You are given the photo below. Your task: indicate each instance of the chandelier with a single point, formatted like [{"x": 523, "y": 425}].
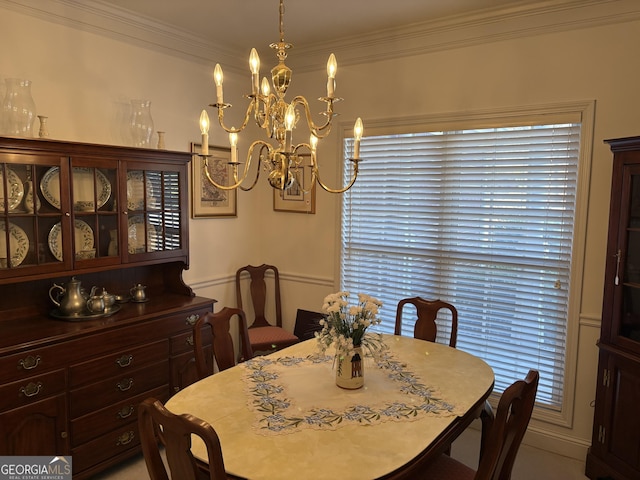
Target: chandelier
[{"x": 284, "y": 160}]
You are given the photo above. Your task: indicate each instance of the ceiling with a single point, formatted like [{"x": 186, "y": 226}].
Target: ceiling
[{"x": 242, "y": 24}]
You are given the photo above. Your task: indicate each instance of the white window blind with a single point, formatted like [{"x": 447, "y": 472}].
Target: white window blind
[{"x": 481, "y": 218}]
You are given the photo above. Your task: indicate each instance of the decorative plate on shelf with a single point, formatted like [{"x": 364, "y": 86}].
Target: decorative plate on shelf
[
  {"x": 83, "y": 238},
  {"x": 18, "y": 244},
  {"x": 137, "y": 187},
  {"x": 15, "y": 188},
  {"x": 82, "y": 186},
  {"x": 137, "y": 241}
]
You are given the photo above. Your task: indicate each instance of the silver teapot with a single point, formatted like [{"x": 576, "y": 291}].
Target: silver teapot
[
  {"x": 109, "y": 300},
  {"x": 137, "y": 293},
  {"x": 68, "y": 298}
]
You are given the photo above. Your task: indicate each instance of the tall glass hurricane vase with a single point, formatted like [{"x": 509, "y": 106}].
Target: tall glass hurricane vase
[
  {"x": 141, "y": 123},
  {"x": 18, "y": 108}
]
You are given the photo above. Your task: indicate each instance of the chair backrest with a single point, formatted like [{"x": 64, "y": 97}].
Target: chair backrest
[
  {"x": 307, "y": 323},
  {"x": 157, "y": 424},
  {"x": 505, "y": 432},
  {"x": 425, "y": 327},
  {"x": 258, "y": 290},
  {"x": 222, "y": 343}
]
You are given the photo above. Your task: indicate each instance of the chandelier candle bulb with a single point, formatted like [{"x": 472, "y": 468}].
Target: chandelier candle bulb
[
  {"x": 233, "y": 140},
  {"x": 289, "y": 121},
  {"x": 204, "y": 129},
  {"x": 332, "y": 67},
  {"x": 217, "y": 78},
  {"x": 266, "y": 89},
  {"x": 357, "y": 134},
  {"x": 254, "y": 65}
]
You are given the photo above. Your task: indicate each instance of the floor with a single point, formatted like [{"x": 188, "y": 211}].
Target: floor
[{"x": 531, "y": 464}]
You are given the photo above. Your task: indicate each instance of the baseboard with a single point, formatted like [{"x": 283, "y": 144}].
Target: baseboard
[
  {"x": 555, "y": 443},
  {"x": 563, "y": 445}
]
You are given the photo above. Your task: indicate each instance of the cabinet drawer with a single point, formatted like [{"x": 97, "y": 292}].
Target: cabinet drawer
[
  {"x": 105, "y": 447},
  {"x": 31, "y": 362},
  {"x": 184, "y": 342},
  {"x": 114, "y": 416},
  {"x": 184, "y": 321},
  {"x": 118, "y": 363},
  {"x": 32, "y": 389},
  {"x": 116, "y": 389}
]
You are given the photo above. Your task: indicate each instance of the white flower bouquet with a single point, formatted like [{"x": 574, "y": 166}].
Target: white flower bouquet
[{"x": 345, "y": 326}]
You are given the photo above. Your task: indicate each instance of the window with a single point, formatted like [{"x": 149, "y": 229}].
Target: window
[{"x": 483, "y": 218}]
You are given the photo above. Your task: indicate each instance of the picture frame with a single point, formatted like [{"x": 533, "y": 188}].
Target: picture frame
[
  {"x": 207, "y": 201},
  {"x": 295, "y": 200}
]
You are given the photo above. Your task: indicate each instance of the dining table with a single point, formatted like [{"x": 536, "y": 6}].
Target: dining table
[{"x": 282, "y": 417}]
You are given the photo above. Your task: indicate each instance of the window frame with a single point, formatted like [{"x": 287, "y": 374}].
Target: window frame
[{"x": 579, "y": 111}]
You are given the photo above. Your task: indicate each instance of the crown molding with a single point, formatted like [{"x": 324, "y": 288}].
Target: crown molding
[
  {"x": 464, "y": 31},
  {"x": 546, "y": 16},
  {"x": 101, "y": 18}
]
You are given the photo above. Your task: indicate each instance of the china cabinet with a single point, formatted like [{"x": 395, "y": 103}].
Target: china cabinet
[
  {"x": 616, "y": 430},
  {"x": 86, "y": 216}
]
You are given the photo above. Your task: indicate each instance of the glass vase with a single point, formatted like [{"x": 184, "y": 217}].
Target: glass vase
[
  {"x": 350, "y": 369},
  {"x": 141, "y": 123},
  {"x": 18, "y": 108}
]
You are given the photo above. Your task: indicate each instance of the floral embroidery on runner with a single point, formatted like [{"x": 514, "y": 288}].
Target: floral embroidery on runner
[{"x": 277, "y": 412}]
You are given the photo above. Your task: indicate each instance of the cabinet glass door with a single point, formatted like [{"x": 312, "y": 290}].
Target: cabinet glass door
[
  {"x": 30, "y": 213},
  {"x": 628, "y": 258},
  {"x": 95, "y": 214},
  {"x": 154, "y": 211}
]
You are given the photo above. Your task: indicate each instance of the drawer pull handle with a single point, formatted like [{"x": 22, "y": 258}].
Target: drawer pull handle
[
  {"x": 31, "y": 390},
  {"x": 125, "y": 360},
  {"x": 29, "y": 363},
  {"x": 125, "y": 438},
  {"x": 125, "y": 384},
  {"x": 192, "y": 319},
  {"x": 126, "y": 412},
  {"x": 189, "y": 340}
]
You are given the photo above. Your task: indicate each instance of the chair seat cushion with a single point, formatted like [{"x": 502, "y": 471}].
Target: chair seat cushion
[
  {"x": 271, "y": 336},
  {"x": 446, "y": 468}
]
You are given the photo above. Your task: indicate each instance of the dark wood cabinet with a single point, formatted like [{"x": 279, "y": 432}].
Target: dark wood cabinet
[
  {"x": 112, "y": 217},
  {"x": 615, "y": 447}
]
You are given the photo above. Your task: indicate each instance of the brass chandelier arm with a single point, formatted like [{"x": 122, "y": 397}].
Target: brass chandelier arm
[
  {"x": 303, "y": 166},
  {"x": 252, "y": 104},
  {"x": 247, "y": 165},
  {"x": 319, "y": 131},
  {"x": 355, "y": 161},
  {"x": 263, "y": 145}
]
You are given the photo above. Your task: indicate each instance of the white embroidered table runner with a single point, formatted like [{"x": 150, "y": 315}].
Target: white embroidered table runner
[{"x": 292, "y": 393}]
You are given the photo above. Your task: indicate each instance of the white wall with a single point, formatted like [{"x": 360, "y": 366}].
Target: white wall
[{"x": 83, "y": 82}]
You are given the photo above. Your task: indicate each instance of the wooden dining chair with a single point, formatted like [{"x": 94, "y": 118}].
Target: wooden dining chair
[
  {"x": 158, "y": 426},
  {"x": 307, "y": 323},
  {"x": 501, "y": 437},
  {"x": 263, "y": 335},
  {"x": 425, "y": 326},
  {"x": 222, "y": 342}
]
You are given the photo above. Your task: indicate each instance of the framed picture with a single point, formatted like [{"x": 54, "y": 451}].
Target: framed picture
[
  {"x": 207, "y": 200},
  {"x": 294, "y": 199}
]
